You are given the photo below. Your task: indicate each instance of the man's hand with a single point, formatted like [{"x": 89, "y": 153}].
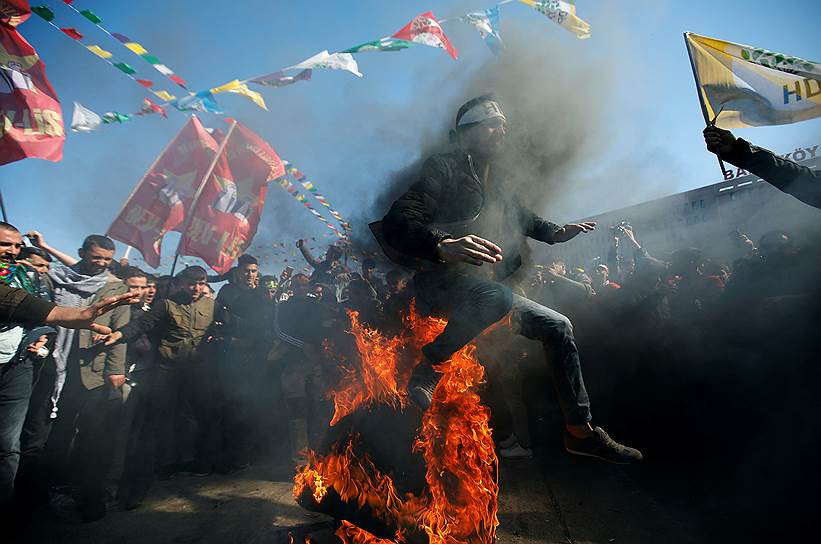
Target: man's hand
[
  {"x": 37, "y": 344},
  {"x": 37, "y": 239},
  {"x": 83, "y": 318},
  {"x": 116, "y": 380},
  {"x": 108, "y": 339},
  {"x": 300, "y": 243},
  {"x": 718, "y": 140},
  {"x": 469, "y": 249},
  {"x": 570, "y": 230},
  {"x": 627, "y": 232}
]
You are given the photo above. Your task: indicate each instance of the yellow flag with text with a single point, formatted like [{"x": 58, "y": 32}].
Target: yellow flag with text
[{"x": 751, "y": 86}]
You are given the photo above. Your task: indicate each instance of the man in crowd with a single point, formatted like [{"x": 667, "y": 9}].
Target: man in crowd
[
  {"x": 20, "y": 349},
  {"x": 325, "y": 270},
  {"x": 788, "y": 176},
  {"x": 468, "y": 262},
  {"x": 89, "y": 377},
  {"x": 240, "y": 310},
  {"x": 183, "y": 384}
]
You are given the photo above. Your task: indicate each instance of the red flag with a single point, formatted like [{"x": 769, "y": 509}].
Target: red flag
[
  {"x": 72, "y": 33},
  {"x": 425, "y": 29},
  {"x": 163, "y": 197},
  {"x": 31, "y": 121},
  {"x": 226, "y": 216}
]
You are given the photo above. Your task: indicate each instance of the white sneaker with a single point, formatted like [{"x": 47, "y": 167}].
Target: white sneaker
[
  {"x": 508, "y": 442},
  {"x": 516, "y": 452}
]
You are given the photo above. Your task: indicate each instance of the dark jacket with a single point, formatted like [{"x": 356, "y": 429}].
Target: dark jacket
[
  {"x": 180, "y": 324},
  {"x": 788, "y": 176},
  {"x": 443, "y": 203}
]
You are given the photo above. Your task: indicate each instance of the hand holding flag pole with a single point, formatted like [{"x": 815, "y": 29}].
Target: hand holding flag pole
[{"x": 701, "y": 102}]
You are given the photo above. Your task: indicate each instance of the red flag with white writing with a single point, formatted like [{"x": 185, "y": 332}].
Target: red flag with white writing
[
  {"x": 31, "y": 120},
  {"x": 425, "y": 29},
  {"x": 162, "y": 198},
  {"x": 226, "y": 216}
]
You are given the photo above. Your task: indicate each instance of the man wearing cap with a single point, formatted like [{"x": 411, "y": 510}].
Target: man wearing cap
[{"x": 462, "y": 222}]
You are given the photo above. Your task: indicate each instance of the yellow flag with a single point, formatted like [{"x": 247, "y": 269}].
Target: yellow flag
[
  {"x": 239, "y": 87},
  {"x": 136, "y": 48},
  {"x": 165, "y": 95},
  {"x": 751, "y": 86},
  {"x": 563, "y": 13},
  {"x": 99, "y": 51}
]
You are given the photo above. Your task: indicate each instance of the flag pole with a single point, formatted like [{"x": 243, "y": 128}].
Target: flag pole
[
  {"x": 3, "y": 207},
  {"x": 190, "y": 216},
  {"x": 706, "y": 115}
]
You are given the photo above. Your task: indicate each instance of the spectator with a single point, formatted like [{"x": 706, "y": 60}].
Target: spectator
[{"x": 325, "y": 270}]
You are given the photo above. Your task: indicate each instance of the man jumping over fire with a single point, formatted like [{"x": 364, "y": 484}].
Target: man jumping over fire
[{"x": 465, "y": 234}]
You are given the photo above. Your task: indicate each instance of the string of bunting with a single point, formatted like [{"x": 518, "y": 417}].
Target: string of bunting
[
  {"x": 302, "y": 179},
  {"x": 46, "y": 13},
  {"x": 85, "y": 120},
  {"x": 288, "y": 186},
  {"x": 132, "y": 46},
  {"x": 424, "y": 29}
]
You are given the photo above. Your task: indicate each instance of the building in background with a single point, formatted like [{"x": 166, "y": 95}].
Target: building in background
[{"x": 701, "y": 218}]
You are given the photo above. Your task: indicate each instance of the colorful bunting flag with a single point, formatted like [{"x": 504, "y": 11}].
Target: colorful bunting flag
[
  {"x": 72, "y": 33},
  {"x": 44, "y": 12},
  {"x": 164, "y": 95},
  {"x": 150, "y": 107},
  {"x": 145, "y": 83},
  {"x": 384, "y": 44},
  {"x": 136, "y": 48},
  {"x": 241, "y": 88},
  {"x": 84, "y": 120},
  {"x": 426, "y": 30},
  {"x": 99, "y": 51},
  {"x": 115, "y": 117},
  {"x": 327, "y": 61},
  {"x": 88, "y": 14},
  {"x": 125, "y": 68},
  {"x": 202, "y": 101},
  {"x": 563, "y": 13},
  {"x": 487, "y": 23},
  {"x": 280, "y": 79}
]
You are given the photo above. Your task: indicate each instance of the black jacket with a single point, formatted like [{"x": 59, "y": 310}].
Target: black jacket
[
  {"x": 443, "y": 203},
  {"x": 788, "y": 176}
]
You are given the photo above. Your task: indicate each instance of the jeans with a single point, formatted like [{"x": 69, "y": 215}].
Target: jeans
[
  {"x": 15, "y": 391},
  {"x": 472, "y": 304}
]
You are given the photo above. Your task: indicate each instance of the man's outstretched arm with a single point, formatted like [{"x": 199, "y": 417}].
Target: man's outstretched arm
[
  {"x": 38, "y": 241},
  {"x": 786, "y": 175}
]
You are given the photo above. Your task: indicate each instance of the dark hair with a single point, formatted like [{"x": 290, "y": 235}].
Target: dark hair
[
  {"x": 334, "y": 252},
  {"x": 28, "y": 251},
  {"x": 132, "y": 272},
  {"x": 192, "y": 273},
  {"x": 98, "y": 240},
  {"x": 247, "y": 259},
  {"x": 8, "y": 226},
  {"x": 151, "y": 278},
  {"x": 368, "y": 263}
]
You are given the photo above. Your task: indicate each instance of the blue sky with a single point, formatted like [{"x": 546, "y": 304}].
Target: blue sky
[{"x": 349, "y": 135}]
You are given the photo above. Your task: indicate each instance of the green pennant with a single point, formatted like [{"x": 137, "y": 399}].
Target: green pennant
[
  {"x": 88, "y": 14},
  {"x": 151, "y": 59},
  {"x": 114, "y": 117},
  {"x": 44, "y": 12},
  {"x": 123, "y": 67}
]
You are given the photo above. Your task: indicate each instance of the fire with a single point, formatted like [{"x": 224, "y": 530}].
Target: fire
[{"x": 461, "y": 502}]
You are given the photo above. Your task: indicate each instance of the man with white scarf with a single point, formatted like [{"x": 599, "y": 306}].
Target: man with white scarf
[{"x": 89, "y": 376}]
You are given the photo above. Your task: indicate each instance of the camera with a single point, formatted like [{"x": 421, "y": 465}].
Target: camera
[{"x": 619, "y": 228}]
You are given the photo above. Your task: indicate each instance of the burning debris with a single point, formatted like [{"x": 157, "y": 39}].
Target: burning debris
[{"x": 457, "y": 500}]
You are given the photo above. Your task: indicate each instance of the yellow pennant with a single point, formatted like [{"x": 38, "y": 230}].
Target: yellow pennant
[
  {"x": 136, "y": 48},
  {"x": 99, "y": 51}
]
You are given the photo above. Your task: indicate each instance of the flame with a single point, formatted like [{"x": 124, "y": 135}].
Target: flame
[
  {"x": 382, "y": 377},
  {"x": 455, "y": 441}
]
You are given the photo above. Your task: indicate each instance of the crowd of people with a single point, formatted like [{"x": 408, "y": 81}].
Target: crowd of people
[{"x": 193, "y": 380}]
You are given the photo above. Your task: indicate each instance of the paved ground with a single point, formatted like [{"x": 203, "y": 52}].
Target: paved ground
[{"x": 553, "y": 499}]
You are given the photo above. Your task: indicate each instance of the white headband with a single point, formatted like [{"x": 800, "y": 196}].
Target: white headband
[{"x": 482, "y": 112}]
